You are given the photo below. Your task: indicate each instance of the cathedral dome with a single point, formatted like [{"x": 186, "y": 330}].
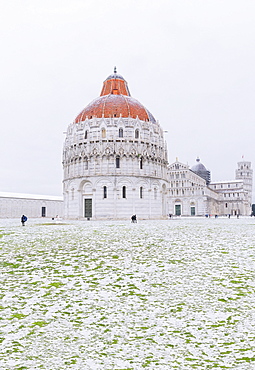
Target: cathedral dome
[
  {"x": 201, "y": 171},
  {"x": 198, "y": 166},
  {"x": 115, "y": 101}
]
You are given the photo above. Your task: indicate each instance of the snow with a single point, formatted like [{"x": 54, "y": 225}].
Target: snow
[{"x": 175, "y": 294}]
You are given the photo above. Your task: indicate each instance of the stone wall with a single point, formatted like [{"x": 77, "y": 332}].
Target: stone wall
[{"x": 15, "y": 206}]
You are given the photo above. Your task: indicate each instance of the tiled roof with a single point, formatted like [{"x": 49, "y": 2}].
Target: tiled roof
[{"x": 115, "y": 101}]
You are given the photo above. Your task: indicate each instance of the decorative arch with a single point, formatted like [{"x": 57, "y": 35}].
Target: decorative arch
[
  {"x": 125, "y": 181},
  {"x": 121, "y": 151},
  {"x": 104, "y": 181},
  {"x": 141, "y": 182},
  {"x": 133, "y": 151},
  {"x": 85, "y": 186},
  {"x": 71, "y": 184}
]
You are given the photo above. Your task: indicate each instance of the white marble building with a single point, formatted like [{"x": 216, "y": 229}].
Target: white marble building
[
  {"x": 115, "y": 159},
  {"x": 188, "y": 192},
  {"x": 235, "y": 196},
  {"x": 115, "y": 165},
  {"x": 192, "y": 195}
]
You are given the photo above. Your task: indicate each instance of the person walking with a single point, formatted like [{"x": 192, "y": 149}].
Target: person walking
[
  {"x": 133, "y": 219},
  {"x": 23, "y": 220}
]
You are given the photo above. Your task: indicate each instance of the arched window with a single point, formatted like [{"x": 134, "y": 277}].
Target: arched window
[
  {"x": 117, "y": 162},
  {"x": 86, "y": 134},
  {"x": 86, "y": 164},
  {"x": 124, "y": 193},
  {"x": 105, "y": 192},
  {"x": 141, "y": 192},
  {"x": 137, "y": 133},
  {"x": 103, "y": 133},
  {"x": 155, "y": 193},
  {"x": 141, "y": 164},
  {"x": 121, "y": 132}
]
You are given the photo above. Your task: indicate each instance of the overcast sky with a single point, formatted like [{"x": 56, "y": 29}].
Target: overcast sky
[{"x": 191, "y": 63}]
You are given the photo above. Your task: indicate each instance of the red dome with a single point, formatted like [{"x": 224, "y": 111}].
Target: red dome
[{"x": 115, "y": 101}]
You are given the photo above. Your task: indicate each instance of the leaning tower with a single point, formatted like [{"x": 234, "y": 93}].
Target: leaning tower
[
  {"x": 244, "y": 172},
  {"x": 115, "y": 159}
]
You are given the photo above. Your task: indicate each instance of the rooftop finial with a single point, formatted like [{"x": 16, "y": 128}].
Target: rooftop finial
[{"x": 115, "y": 69}]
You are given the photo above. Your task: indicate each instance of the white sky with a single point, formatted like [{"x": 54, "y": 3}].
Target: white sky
[{"x": 191, "y": 63}]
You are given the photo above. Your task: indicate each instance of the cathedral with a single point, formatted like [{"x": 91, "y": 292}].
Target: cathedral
[{"x": 115, "y": 165}]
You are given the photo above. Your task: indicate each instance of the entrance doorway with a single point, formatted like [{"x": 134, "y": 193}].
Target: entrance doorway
[
  {"x": 43, "y": 211},
  {"x": 193, "y": 211},
  {"x": 87, "y": 208},
  {"x": 177, "y": 210}
]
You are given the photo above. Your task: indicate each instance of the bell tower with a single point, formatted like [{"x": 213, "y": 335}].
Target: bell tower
[{"x": 244, "y": 172}]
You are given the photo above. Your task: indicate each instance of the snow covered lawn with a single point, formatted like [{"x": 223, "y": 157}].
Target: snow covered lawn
[{"x": 175, "y": 294}]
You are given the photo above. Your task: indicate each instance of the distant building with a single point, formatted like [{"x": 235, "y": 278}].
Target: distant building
[
  {"x": 190, "y": 195},
  {"x": 13, "y": 205},
  {"x": 188, "y": 192}
]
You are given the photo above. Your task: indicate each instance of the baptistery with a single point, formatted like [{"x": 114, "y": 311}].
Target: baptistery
[{"x": 115, "y": 159}]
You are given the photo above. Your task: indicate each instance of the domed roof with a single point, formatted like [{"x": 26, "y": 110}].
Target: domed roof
[
  {"x": 201, "y": 171},
  {"x": 116, "y": 76},
  {"x": 198, "y": 166},
  {"x": 115, "y": 101}
]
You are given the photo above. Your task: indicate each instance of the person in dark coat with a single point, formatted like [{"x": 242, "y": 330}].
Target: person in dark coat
[
  {"x": 23, "y": 220},
  {"x": 133, "y": 218}
]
